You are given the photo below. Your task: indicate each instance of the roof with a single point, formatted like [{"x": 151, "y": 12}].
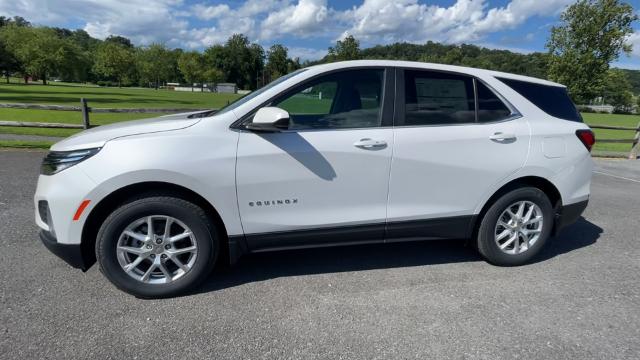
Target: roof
[{"x": 431, "y": 66}]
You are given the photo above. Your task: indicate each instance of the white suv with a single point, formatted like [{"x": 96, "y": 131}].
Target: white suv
[{"x": 336, "y": 154}]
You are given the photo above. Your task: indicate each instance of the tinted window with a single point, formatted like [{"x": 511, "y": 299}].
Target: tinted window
[
  {"x": 490, "y": 107},
  {"x": 347, "y": 99},
  {"x": 433, "y": 98},
  {"x": 553, "y": 100}
]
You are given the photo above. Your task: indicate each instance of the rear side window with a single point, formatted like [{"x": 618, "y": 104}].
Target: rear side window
[
  {"x": 553, "y": 100},
  {"x": 433, "y": 98},
  {"x": 490, "y": 107}
]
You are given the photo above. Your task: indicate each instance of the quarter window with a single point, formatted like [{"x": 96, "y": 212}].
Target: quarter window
[
  {"x": 433, "y": 98},
  {"x": 554, "y": 100},
  {"x": 347, "y": 99}
]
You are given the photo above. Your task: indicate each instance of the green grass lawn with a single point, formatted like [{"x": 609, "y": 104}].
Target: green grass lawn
[
  {"x": 613, "y": 120},
  {"x": 69, "y": 94},
  {"x": 58, "y": 93},
  {"x": 65, "y": 94}
]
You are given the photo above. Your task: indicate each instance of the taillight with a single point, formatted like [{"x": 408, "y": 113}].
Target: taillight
[{"x": 587, "y": 137}]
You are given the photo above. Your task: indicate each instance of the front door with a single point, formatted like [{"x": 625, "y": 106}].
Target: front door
[{"x": 325, "y": 179}]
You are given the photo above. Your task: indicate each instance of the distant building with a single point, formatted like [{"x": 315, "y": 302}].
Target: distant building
[
  {"x": 599, "y": 108},
  {"x": 229, "y": 88}
]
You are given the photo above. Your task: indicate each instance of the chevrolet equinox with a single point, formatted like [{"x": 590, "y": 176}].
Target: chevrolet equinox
[{"x": 335, "y": 154}]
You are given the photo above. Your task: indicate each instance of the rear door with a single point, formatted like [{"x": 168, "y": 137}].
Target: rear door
[
  {"x": 447, "y": 153},
  {"x": 325, "y": 179}
]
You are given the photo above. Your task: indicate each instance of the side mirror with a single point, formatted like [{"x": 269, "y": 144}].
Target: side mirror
[{"x": 269, "y": 119}]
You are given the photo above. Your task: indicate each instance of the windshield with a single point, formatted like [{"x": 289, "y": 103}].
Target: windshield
[{"x": 254, "y": 94}]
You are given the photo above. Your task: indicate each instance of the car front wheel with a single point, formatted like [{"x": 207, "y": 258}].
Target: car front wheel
[
  {"x": 515, "y": 228},
  {"x": 157, "y": 246}
]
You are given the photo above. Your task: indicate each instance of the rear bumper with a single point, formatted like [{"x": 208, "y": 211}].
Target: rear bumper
[
  {"x": 569, "y": 214},
  {"x": 70, "y": 253}
]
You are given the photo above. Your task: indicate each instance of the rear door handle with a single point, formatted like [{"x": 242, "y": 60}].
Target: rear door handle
[
  {"x": 502, "y": 137},
  {"x": 370, "y": 144}
]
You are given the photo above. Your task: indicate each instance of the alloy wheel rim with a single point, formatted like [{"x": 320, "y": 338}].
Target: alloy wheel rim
[
  {"x": 156, "y": 249},
  {"x": 519, "y": 227}
]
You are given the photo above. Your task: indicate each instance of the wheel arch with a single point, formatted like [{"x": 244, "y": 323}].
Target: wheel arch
[
  {"x": 546, "y": 186},
  {"x": 106, "y": 205}
]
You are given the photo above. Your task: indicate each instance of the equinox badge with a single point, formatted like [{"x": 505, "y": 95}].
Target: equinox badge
[{"x": 274, "y": 202}]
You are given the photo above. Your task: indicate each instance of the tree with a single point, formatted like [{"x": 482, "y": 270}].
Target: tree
[
  {"x": 213, "y": 76},
  {"x": 345, "y": 49},
  {"x": 8, "y": 61},
  {"x": 256, "y": 65},
  {"x": 293, "y": 64},
  {"x": 120, "y": 40},
  {"x": 114, "y": 60},
  {"x": 593, "y": 33},
  {"x": 39, "y": 50},
  {"x": 16, "y": 21},
  {"x": 277, "y": 61},
  {"x": 154, "y": 64},
  {"x": 617, "y": 91},
  {"x": 84, "y": 40},
  {"x": 240, "y": 61},
  {"x": 191, "y": 65}
]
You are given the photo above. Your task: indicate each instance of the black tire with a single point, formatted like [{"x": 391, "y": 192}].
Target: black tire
[
  {"x": 191, "y": 215},
  {"x": 486, "y": 243}
]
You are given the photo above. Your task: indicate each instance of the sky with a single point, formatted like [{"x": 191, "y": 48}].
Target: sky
[{"x": 309, "y": 27}]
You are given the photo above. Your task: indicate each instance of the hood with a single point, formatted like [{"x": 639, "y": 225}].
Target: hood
[{"x": 98, "y": 136}]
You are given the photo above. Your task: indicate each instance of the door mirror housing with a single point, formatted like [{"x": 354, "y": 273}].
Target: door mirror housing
[{"x": 269, "y": 119}]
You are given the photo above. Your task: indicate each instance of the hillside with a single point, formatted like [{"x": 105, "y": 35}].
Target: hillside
[
  {"x": 533, "y": 64},
  {"x": 634, "y": 79}
]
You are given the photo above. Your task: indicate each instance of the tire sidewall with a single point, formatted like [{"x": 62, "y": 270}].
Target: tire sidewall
[
  {"x": 114, "y": 225},
  {"x": 486, "y": 233}
]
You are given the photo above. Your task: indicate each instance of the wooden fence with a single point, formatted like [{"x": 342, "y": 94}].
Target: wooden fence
[
  {"x": 635, "y": 146},
  {"x": 85, "y": 109}
]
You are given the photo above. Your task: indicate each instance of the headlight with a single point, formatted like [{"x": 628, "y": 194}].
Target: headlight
[{"x": 56, "y": 161}]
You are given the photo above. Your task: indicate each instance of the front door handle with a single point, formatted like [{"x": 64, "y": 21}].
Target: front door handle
[
  {"x": 370, "y": 144},
  {"x": 502, "y": 137}
]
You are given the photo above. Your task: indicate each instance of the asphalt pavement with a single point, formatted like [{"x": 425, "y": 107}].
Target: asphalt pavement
[{"x": 438, "y": 299}]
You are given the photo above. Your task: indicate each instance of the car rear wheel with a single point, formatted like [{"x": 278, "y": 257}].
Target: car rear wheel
[
  {"x": 515, "y": 228},
  {"x": 157, "y": 246}
]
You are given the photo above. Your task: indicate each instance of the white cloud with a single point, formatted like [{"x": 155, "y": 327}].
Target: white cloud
[
  {"x": 143, "y": 21},
  {"x": 179, "y": 24},
  {"x": 517, "y": 12},
  {"x": 210, "y": 12},
  {"x": 306, "y": 18},
  {"x": 465, "y": 20},
  {"x": 634, "y": 40}
]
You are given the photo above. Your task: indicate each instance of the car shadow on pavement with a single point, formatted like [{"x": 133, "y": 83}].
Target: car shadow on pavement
[
  {"x": 265, "y": 266},
  {"x": 581, "y": 234}
]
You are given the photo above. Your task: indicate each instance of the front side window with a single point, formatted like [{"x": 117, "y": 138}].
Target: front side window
[
  {"x": 346, "y": 99},
  {"x": 433, "y": 98}
]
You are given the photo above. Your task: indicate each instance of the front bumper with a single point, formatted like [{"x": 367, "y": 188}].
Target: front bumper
[
  {"x": 70, "y": 253},
  {"x": 59, "y": 196}
]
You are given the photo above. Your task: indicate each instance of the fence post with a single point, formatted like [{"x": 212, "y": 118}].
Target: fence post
[
  {"x": 633, "y": 154},
  {"x": 85, "y": 113}
]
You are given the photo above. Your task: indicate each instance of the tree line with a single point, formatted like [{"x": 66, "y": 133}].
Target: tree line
[
  {"x": 73, "y": 55},
  {"x": 590, "y": 36}
]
